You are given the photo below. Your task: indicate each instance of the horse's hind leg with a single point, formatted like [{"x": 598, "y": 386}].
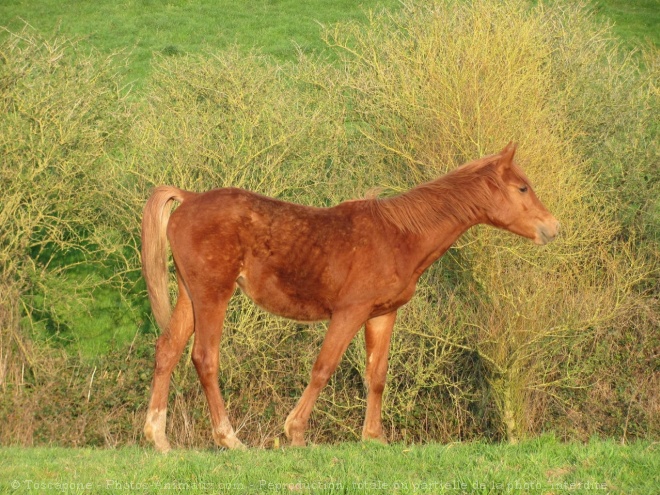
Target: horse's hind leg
[
  {"x": 209, "y": 319},
  {"x": 377, "y": 335},
  {"x": 169, "y": 348}
]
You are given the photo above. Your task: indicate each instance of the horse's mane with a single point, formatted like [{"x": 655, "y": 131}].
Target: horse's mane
[{"x": 456, "y": 195}]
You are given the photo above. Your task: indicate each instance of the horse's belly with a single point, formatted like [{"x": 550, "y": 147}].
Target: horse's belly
[{"x": 282, "y": 300}]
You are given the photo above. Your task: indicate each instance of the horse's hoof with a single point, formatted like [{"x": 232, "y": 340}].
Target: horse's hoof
[
  {"x": 163, "y": 446},
  {"x": 233, "y": 443},
  {"x": 376, "y": 439},
  {"x": 298, "y": 441}
]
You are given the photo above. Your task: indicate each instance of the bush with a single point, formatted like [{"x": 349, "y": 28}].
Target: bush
[
  {"x": 445, "y": 82},
  {"x": 60, "y": 115}
]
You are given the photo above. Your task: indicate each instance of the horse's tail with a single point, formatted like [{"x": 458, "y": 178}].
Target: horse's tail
[{"x": 154, "y": 250}]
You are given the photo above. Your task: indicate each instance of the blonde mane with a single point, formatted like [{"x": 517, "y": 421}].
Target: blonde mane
[{"x": 457, "y": 195}]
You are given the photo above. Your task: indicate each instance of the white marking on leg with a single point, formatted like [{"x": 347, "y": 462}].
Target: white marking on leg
[
  {"x": 224, "y": 435},
  {"x": 154, "y": 429}
]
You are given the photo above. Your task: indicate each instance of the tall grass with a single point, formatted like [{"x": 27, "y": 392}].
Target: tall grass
[{"x": 502, "y": 340}]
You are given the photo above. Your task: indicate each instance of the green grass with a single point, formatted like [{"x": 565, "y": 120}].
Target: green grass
[
  {"x": 541, "y": 466},
  {"x": 149, "y": 27},
  {"x": 634, "y": 21},
  {"x": 275, "y": 27}
]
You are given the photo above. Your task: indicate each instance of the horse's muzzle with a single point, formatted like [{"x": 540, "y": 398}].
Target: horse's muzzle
[{"x": 547, "y": 232}]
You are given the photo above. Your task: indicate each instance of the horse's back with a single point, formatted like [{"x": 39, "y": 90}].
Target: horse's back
[
  {"x": 290, "y": 259},
  {"x": 254, "y": 216}
]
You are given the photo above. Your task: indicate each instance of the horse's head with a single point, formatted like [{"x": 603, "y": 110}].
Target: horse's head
[{"x": 516, "y": 207}]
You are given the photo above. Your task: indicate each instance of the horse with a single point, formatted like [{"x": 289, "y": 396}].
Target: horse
[{"x": 354, "y": 264}]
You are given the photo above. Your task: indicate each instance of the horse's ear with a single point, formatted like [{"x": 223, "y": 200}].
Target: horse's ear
[{"x": 506, "y": 155}]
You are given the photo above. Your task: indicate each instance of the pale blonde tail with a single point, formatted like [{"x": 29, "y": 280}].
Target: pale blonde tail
[{"x": 154, "y": 250}]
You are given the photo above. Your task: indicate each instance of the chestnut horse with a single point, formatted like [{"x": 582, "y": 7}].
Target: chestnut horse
[{"x": 354, "y": 264}]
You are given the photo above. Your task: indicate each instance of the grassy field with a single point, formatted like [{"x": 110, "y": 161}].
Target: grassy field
[
  {"x": 281, "y": 28},
  {"x": 635, "y": 22},
  {"x": 148, "y": 28},
  {"x": 540, "y": 466}
]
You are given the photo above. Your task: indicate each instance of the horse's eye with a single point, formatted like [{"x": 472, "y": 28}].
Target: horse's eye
[{"x": 523, "y": 189}]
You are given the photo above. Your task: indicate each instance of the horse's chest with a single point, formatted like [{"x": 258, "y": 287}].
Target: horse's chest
[{"x": 394, "y": 300}]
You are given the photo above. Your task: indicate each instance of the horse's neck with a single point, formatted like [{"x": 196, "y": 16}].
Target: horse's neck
[
  {"x": 436, "y": 243},
  {"x": 431, "y": 217},
  {"x": 450, "y": 226}
]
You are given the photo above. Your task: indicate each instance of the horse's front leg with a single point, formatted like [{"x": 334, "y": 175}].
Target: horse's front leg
[
  {"x": 343, "y": 327},
  {"x": 377, "y": 335}
]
